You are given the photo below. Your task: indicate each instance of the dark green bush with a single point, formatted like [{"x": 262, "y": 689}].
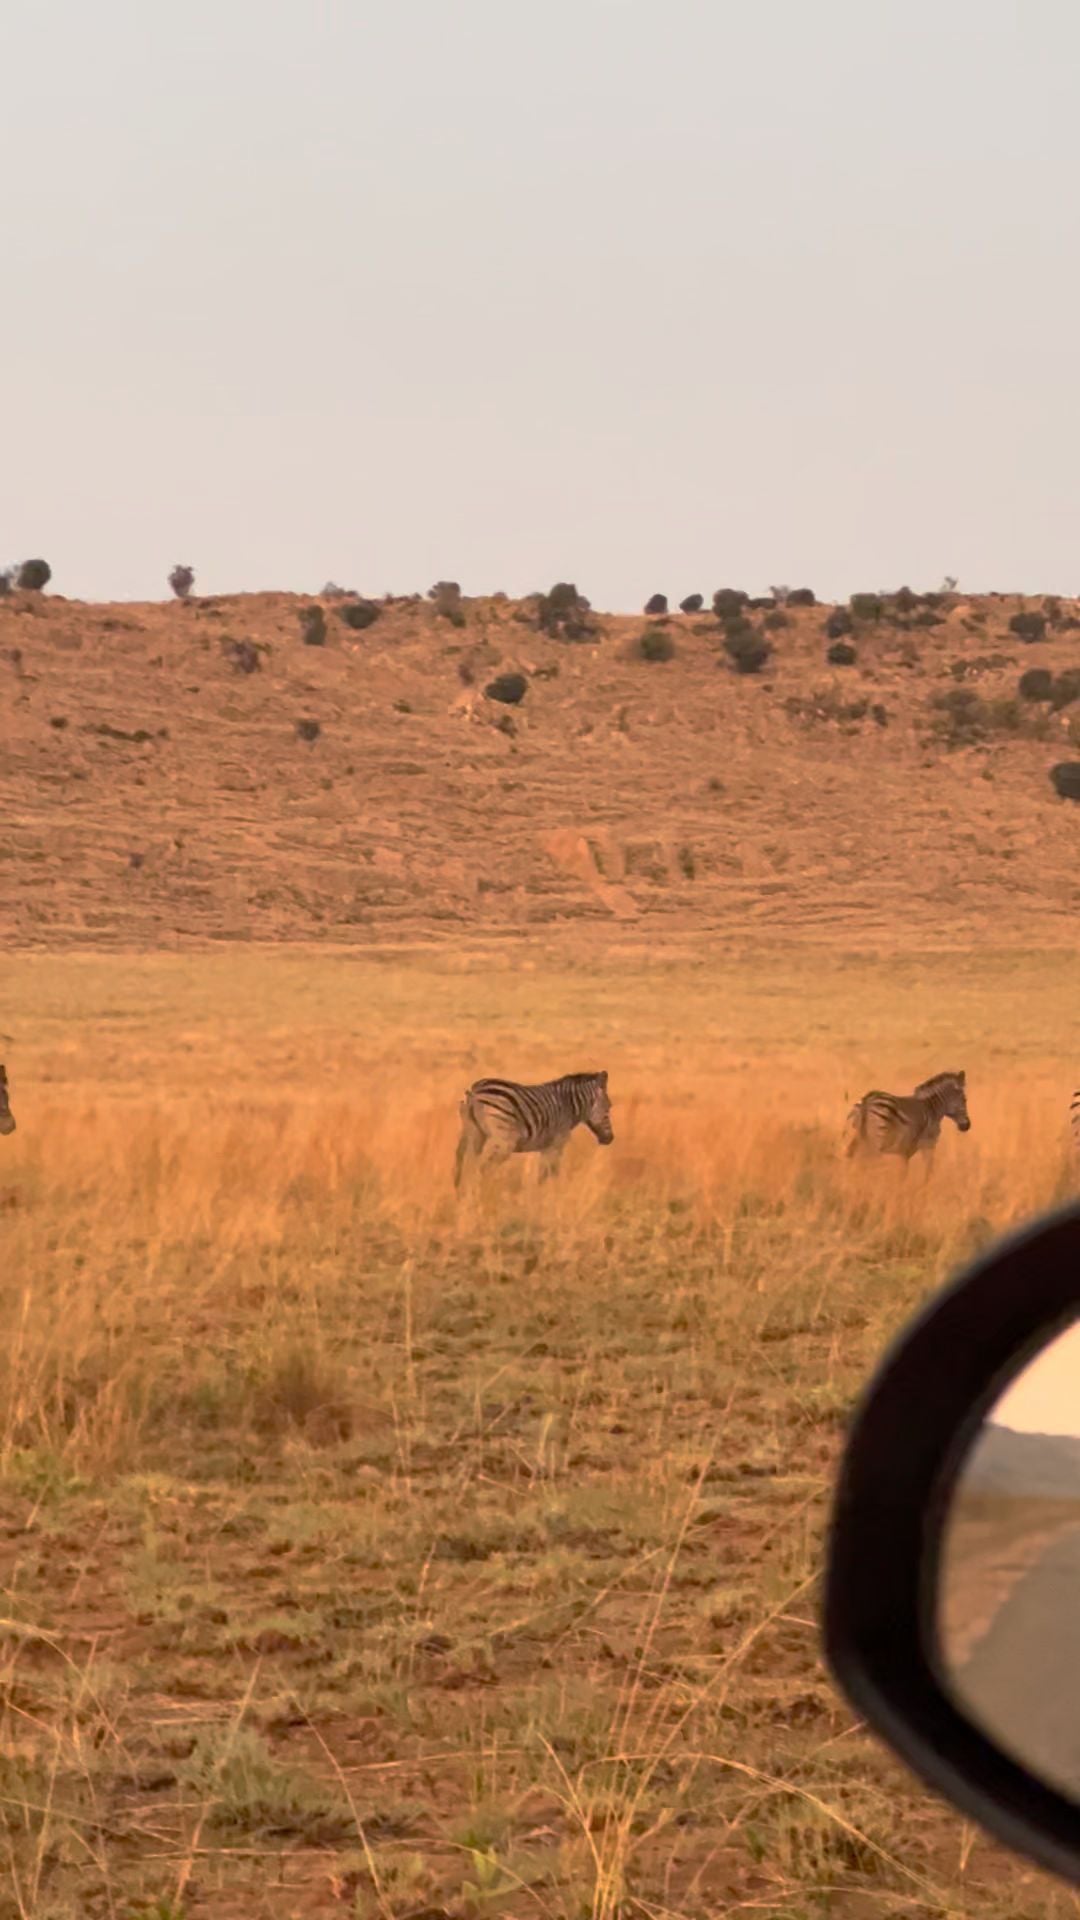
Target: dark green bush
[
  {"x": 308, "y": 729},
  {"x": 775, "y": 622},
  {"x": 728, "y": 601},
  {"x": 359, "y": 614},
  {"x": 33, "y": 576},
  {"x": 1028, "y": 626},
  {"x": 802, "y": 597},
  {"x": 656, "y": 603},
  {"x": 655, "y": 644},
  {"x": 181, "y": 580},
  {"x": 1066, "y": 688},
  {"x": 1036, "y": 684},
  {"x": 737, "y": 627},
  {"x": 841, "y": 654},
  {"x": 838, "y": 624},
  {"x": 445, "y": 596},
  {"x": 510, "y": 688},
  {"x": 564, "y": 613},
  {"x": 747, "y": 652},
  {"x": 1065, "y": 779},
  {"x": 905, "y": 601},
  {"x": 866, "y": 606},
  {"x": 313, "y": 626},
  {"x": 692, "y": 604},
  {"x": 960, "y": 717},
  {"x": 244, "y": 655}
]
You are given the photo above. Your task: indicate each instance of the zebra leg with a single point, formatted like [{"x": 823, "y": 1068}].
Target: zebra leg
[
  {"x": 459, "y": 1159},
  {"x": 549, "y": 1161},
  {"x": 472, "y": 1140}
]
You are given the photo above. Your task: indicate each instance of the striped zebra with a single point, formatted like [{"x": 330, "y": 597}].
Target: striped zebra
[
  {"x": 907, "y": 1124},
  {"x": 7, "y": 1118},
  {"x": 500, "y": 1117},
  {"x": 1074, "y": 1122}
]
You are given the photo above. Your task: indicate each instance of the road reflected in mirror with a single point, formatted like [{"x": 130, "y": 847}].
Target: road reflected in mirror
[{"x": 1009, "y": 1590}]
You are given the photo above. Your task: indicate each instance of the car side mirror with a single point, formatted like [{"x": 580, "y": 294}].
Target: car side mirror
[{"x": 952, "y": 1587}]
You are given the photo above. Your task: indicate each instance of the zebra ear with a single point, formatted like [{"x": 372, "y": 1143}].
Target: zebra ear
[
  {"x": 962, "y": 1077},
  {"x": 602, "y": 1077}
]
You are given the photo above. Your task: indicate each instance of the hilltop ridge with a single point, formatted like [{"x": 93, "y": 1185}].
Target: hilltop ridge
[{"x": 195, "y": 771}]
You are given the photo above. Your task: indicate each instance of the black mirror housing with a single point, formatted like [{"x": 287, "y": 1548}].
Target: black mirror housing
[{"x": 904, "y": 1452}]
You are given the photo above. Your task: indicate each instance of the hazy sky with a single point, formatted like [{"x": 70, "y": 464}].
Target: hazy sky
[
  {"x": 645, "y": 293},
  {"x": 1045, "y": 1398}
]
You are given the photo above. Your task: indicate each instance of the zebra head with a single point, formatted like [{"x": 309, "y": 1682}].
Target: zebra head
[
  {"x": 598, "y": 1108},
  {"x": 7, "y": 1118},
  {"x": 950, "y": 1095}
]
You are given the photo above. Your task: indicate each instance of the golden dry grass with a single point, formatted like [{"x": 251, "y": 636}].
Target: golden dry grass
[{"x": 368, "y": 1553}]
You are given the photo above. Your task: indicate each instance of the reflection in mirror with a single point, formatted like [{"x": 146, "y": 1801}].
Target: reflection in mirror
[{"x": 1009, "y": 1586}]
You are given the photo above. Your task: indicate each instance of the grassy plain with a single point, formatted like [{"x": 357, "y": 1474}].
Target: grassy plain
[{"x": 367, "y": 1554}]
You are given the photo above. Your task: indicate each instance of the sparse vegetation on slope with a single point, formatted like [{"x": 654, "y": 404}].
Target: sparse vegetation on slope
[{"x": 373, "y": 835}]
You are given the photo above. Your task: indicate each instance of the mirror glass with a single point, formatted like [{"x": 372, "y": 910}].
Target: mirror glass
[{"x": 1009, "y": 1587}]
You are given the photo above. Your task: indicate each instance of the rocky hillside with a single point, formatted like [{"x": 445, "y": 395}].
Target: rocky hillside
[{"x": 271, "y": 767}]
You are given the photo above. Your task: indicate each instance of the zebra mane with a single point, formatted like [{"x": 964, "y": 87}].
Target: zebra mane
[{"x": 937, "y": 1083}]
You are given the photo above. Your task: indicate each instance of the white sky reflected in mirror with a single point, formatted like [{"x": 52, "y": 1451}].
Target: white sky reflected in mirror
[{"x": 1045, "y": 1398}]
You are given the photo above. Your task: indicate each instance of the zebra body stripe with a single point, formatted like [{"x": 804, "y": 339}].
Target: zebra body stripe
[{"x": 530, "y": 1119}]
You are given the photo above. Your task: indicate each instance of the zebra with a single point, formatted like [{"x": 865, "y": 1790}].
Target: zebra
[
  {"x": 7, "y": 1118},
  {"x": 1074, "y": 1121},
  {"x": 907, "y": 1124},
  {"x": 504, "y": 1118}
]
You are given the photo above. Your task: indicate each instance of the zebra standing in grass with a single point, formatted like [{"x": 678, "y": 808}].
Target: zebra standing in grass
[
  {"x": 907, "y": 1124},
  {"x": 7, "y": 1118},
  {"x": 500, "y": 1117}
]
